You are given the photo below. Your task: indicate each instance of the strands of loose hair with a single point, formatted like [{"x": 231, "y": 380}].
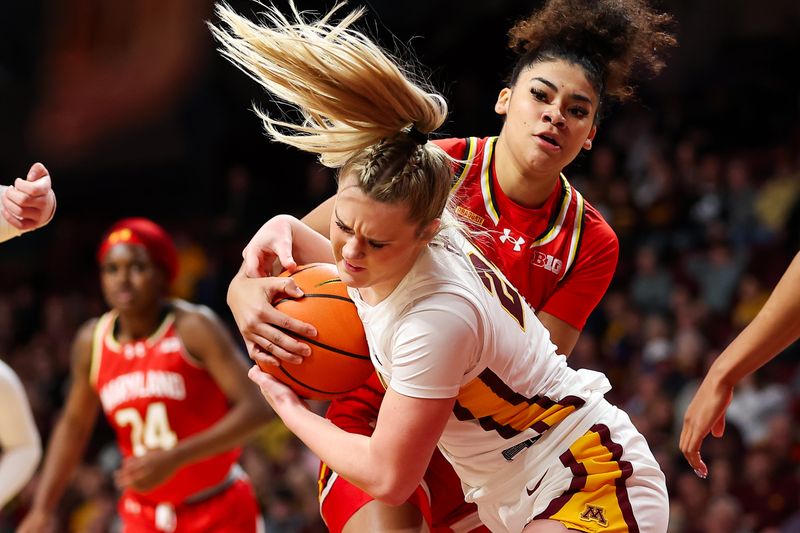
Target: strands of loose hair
[
  {"x": 349, "y": 92},
  {"x": 615, "y": 37}
]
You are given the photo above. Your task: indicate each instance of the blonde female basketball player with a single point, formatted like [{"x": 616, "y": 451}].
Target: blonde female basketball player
[
  {"x": 465, "y": 361},
  {"x": 549, "y": 241}
]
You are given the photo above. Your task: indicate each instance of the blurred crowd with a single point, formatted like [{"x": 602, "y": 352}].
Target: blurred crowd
[{"x": 701, "y": 185}]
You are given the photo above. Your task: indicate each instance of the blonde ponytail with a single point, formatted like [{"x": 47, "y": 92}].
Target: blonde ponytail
[{"x": 350, "y": 93}]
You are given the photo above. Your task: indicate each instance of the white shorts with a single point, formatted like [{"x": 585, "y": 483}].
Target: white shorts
[{"x": 605, "y": 481}]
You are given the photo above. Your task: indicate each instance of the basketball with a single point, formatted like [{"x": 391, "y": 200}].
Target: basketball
[{"x": 339, "y": 360}]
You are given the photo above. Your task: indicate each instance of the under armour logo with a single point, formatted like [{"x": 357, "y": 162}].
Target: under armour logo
[
  {"x": 592, "y": 513},
  {"x": 506, "y": 237}
]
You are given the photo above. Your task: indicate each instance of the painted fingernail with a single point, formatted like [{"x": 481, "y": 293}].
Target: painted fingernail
[{"x": 699, "y": 473}]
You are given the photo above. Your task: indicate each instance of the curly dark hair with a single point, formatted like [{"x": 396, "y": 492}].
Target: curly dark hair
[{"x": 607, "y": 38}]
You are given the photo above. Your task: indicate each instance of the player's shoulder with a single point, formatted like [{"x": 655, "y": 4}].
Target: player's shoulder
[
  {"x": 190, "y": 316},
  {"x": 462, "y": 148},
  {"x": 596, "y": 225},
  {"x": 86, "y": 330}
]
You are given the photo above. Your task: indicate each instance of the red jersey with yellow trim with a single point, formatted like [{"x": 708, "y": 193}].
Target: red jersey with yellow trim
[
  {"x": 560, "y": 257},
  {"x": 154, "y": 393}
]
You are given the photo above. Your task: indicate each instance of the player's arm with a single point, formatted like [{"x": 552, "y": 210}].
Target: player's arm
[
  {"x": 431, "y": 351},
  {"x": 390, "y": 464},
  {"x": 562, "y": 334},
  {"x": 566, "y": 310},
  {"x": 775, "y": 327},
  {"x": 68, "y": 441},
  {"x": 205, "y": 338},
  {"x": 19, "y": 441}
]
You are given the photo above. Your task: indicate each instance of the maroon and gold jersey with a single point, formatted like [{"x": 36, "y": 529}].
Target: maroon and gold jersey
[
  {"x": 154, "y": 393},
  {"x": 560, "y": 257}
]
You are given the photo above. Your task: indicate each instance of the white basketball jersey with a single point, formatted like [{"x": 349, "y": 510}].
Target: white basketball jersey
[{"x": 488, "y": 349}]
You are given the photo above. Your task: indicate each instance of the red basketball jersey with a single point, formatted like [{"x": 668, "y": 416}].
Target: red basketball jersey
[
  {"x": 154, "y": 393},
  {"x": 560, "y": 256}
]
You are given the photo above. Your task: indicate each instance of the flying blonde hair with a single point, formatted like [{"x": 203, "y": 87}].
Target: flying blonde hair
[{"x": 361, "y": 111}]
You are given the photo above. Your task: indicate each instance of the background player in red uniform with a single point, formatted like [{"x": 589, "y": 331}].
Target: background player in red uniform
[
  {"x": 550, "y": 243},
  {"x": 174, "y": 388}
]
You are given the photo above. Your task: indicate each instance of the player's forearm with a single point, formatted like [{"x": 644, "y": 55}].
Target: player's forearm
[
  {"x": 775, "y": 327},
  {"x": 351, "y": 456},
  {"x": 319, "y": 219},
  {"x": 308, "y": 246}
]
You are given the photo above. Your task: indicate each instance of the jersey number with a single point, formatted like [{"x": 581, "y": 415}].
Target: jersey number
[
  {"x": 507, "y": 295},
  {"x": 152, "y": 433}
]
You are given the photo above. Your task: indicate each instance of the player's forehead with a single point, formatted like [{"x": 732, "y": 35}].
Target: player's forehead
[{"x": 126, "y": 252}]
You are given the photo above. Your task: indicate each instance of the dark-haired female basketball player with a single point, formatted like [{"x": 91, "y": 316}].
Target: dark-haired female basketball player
[
  {"x": 170, "y": 380},
  {"x": 552, "y": 245}
]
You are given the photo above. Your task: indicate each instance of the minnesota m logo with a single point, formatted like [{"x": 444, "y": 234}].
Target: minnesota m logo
[{"x": 594, "y": 513}]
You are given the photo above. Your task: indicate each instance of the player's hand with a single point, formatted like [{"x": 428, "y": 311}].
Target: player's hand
[
  {"x": 146, "y": 472},
  {"x": 30, "y": 203},
  {"x": 272, "y": 241},
  {"x": 259, "y": 322},
  {"x": 37, "y": 521},
  {"x": 705, "y": 414},
  {"x": 279, "y": 396}
]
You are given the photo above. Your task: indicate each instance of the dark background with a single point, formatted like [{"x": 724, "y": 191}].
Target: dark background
[{"x": 134, "y": 113}]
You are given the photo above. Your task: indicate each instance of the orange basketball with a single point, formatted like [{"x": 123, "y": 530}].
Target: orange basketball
[{"x": 339, "y": 360}]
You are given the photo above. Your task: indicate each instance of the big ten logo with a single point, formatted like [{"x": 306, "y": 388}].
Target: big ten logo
[{"x": 547, "y": 262}]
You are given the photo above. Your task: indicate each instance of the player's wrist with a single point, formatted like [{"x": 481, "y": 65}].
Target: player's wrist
[{"x": 7, "y": 231}]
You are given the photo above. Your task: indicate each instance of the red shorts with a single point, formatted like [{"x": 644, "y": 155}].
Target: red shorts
[
  {"x": 439, "y": 498},
  {"x": 233, "y": 510}
]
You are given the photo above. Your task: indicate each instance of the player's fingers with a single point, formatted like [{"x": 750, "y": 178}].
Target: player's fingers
[
  {"x": 40, "y": 187},
  {"x": 718, "y": 429},
  {"x": 255, "y": 262},
  {"x": 23, "y": 213},
  {"x": 281, "y": 345},
  {"x": 291, "y": 288},
  {"x": 24, "y": 199},
  {"x": 11, "y": 219},
  {"x": 36, "y": 172}
]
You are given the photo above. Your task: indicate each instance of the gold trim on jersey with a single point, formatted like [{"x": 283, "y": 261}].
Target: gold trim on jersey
[
  {"x": 497, "y": 407},
  {"x": 486, "y": 181},
  {"x": 472, "y": 145},
  {"x": 99, "y": 333},
  {"x": 577, "y": 232},
  {"x": 553, "y": 231},
  {"x": 114, "y": 344}
]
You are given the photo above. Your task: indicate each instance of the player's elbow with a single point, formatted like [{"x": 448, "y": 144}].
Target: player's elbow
[{"x": 394, "y": 490}]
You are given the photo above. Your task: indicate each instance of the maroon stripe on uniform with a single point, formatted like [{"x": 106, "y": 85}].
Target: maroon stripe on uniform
[
  {"x": 623, "y": 498},
  {"x": 579, "y": 477},
  {"x": 505, "y": 393}
]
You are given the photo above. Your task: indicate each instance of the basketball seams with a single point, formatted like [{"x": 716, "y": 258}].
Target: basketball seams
[
  {"x": 340, "y": 360},
  {"x": 312, "y": 295},
  {"x": 303, "y": 338},
  {"x": 309, "y": 387}
]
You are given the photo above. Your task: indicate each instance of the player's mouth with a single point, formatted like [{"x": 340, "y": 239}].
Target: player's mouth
[
  {"x": 352, "y": 268},
  {"x": 548, "y": 142}
]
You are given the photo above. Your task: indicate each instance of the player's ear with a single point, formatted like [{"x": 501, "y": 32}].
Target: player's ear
[
  {"x": 429, "y": 232},
  {"x": 501, "y": 106}
]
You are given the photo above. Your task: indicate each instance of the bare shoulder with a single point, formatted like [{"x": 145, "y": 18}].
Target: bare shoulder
[
  {"x": 85, "y": 333},
  {"x": 191, "y": 316},
  {"x": 199, "y": 327}
]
